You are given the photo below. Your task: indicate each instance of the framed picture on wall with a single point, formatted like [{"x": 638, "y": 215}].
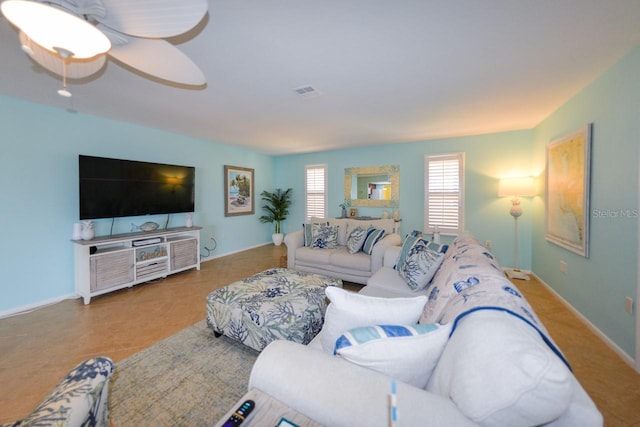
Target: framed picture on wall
[
  {"x": 238, "y": 191},
  {"x": 568, "y": 186}
]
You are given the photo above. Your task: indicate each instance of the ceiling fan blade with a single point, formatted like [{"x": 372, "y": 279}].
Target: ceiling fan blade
[
  {"x": 160, "y": 59},
  {"x": 153, "y": 18},
  {"x": 76, "y": 68}
]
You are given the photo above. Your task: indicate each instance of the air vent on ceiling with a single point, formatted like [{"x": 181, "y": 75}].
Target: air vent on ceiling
[{"x": 307, "y": 91}]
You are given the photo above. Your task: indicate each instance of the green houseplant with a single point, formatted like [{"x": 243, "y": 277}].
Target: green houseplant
[
  {"x": 344, "y": 205},
  {"x": 277, "y": 209}
]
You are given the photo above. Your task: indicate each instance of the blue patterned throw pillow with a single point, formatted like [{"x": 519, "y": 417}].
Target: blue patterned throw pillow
[
  {"x": 324, "y": 236},
  {"x": 374, "y": 235},
  {"x": 409, "y": 241},
  {"x": 407, "y": 353},
  {"x": 356, "y": 239},
  {"x": 419, "y": 266},
  {"x": 307, "y": 232}
]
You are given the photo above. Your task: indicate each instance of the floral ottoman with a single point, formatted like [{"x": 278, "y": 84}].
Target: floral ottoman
[{"x": 275, "y": 304}]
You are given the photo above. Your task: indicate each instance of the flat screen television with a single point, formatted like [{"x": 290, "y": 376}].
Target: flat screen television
[{"x": 111, "y": 188}]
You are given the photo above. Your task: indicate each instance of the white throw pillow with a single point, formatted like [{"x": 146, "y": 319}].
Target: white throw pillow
[
  {"x": 350, "y": 310},
  {"x": 406, "y": 353}
]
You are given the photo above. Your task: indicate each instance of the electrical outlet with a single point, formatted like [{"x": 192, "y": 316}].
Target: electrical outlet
[
  {"x": 487, "y": 244},
  {"x": 563, "y": 266},
  {"x": 628, "y": 306}
]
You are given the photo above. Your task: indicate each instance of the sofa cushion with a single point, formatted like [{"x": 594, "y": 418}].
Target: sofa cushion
[
  {"x": 387, "y": 282},
  {"x": 406, "y": 353},
  {"x": 499, "y": 372},
  {"x": 324, "y": 236},
  {"x": 349, "y": 310},
  {"x": 356, "y": 239},
  {"x": 314, "y": 256},
  {"x": 342, "y": 258}
]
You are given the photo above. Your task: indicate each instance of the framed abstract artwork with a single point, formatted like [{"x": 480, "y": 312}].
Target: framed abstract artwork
[
  {"x": 568, "y": 186},
  {"x": 238, "y": 191}
]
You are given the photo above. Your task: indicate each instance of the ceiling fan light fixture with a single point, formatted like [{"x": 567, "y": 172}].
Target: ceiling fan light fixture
[{"x": 50, "y": 27}]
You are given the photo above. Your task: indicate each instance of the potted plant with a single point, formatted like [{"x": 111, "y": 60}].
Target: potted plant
[
  {"x": 277, "y": 209},
  {"x": 344, "y": 205}
]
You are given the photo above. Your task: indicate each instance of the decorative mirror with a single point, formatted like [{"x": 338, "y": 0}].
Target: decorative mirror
[{"x": 373, "y": 186}]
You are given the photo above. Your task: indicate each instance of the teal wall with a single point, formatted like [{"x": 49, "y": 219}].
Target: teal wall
[
  {"x": 39, "y": 163},
  {"x": 597, "y": 286},
  {"x": 487, "y": 157}
]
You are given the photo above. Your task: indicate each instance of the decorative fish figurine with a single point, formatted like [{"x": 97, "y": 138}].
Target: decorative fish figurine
[{"x": 147, "y": 226}]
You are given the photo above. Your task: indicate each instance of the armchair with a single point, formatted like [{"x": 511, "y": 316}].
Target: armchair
[{"x": 80, "y": 399}]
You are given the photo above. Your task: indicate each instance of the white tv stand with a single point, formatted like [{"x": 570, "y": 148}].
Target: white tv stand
[{"x": 109, "y": 263}]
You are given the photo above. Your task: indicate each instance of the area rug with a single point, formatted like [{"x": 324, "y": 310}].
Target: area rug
[{"x": 188, "y": 379}]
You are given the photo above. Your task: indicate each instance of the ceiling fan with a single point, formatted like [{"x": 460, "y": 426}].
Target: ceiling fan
[{"x": 72, "y": 38}]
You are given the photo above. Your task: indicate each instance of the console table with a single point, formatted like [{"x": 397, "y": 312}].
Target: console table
[
  {"x": 396, "y": 222},
  {"x": 108, "y": 263},
  {"x": 267, "y": 412}
]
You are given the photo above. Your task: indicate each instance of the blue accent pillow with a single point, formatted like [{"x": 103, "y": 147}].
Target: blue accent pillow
[
  {"x": 324, "y": 236},
  {"x": 420, "y": 264},
  {"x": 408, "y": 242},
  {"x": 308, "y": 237},
  {"x": 374, "y": 235},
  {"x": 356, "y": 239}
]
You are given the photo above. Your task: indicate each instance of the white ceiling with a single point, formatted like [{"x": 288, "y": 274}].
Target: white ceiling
[{"x": 388, "y": 71}]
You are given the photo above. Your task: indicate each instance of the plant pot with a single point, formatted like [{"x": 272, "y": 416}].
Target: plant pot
[{"x": 277, "y": 238}]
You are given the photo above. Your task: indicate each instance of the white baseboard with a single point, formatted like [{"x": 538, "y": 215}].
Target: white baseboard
[
  {"x": 234, "y": 252},
  {"x": 34, "y": 306},
  {"x": 612, "y": 345}
]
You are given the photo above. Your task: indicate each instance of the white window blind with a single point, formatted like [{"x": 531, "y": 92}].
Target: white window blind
[
  {"x": 444, "y": 192},
  {"x": 315, "y": 191}
]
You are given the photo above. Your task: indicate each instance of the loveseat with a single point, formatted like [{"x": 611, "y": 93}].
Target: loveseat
[
  {"x": 475, "y": 354},
  {"x": 335, "y": 259}
]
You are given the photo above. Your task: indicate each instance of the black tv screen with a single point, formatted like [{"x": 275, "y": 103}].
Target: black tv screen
[{"x": 111, "y": 188}]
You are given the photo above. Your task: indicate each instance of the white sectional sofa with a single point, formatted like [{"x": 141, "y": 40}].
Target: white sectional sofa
[
  {"x": 338, "y": 262},
  {"x": 496, "y": 366}
]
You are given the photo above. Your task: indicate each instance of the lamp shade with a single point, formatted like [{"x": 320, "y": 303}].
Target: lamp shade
[
  {"x": 517, "y": 187},
  {"x": 53, "y": 28}
]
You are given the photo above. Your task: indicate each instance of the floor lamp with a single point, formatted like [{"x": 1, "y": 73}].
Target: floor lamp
[{"x": 516, "y": 188}]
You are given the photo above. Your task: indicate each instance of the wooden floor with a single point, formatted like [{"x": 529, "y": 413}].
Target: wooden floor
[{"x": 37, "y": 349}]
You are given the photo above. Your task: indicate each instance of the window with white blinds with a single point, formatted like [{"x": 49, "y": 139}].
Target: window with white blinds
[
  {"x": 444, "y": 192},
  {"x": 315, "y": 191}
]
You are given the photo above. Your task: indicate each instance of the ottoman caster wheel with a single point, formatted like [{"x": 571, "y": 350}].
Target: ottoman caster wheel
[{"x": 217, "y": 334}]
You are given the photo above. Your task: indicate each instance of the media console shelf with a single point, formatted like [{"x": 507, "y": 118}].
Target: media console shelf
[{"x": 109, "y": 263}]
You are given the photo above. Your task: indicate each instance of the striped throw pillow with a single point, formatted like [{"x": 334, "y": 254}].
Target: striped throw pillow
[
  {"x": 374, "y": 235},
  {"x": 407, "y": 353}
]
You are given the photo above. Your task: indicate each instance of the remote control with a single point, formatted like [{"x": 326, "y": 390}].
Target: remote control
[{"x": 241, "y": 413}]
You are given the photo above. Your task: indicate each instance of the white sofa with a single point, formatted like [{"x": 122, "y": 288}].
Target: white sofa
[
  {"x": 498, "y": 367},
  {"x": 338, "y": 262}
]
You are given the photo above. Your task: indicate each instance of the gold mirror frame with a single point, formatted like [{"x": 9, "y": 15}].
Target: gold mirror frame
[{"x": 393, "y": 173}]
